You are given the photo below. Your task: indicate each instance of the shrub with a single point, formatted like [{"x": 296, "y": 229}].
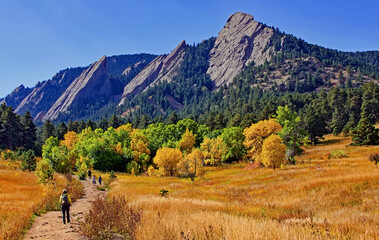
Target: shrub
[
  {"x": 107, "y": 218},
  {"x": 163, "y": 192},
  {"x": 374, "y": 158},
  {"x": 338, "y": 154}
]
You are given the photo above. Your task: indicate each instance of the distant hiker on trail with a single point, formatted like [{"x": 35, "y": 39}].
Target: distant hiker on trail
[
  {"x": 100, "y": 179},
  {"x": 89, "y": 173},
  {"x": 94, "y": 179},
  {"x": 65, "y": 202}
]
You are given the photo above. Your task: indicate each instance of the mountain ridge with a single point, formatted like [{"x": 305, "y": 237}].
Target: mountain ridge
[{"x": 160, "y": 84}]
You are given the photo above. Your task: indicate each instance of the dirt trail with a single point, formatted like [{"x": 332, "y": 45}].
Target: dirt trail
[{"x": 50, "y": 225}]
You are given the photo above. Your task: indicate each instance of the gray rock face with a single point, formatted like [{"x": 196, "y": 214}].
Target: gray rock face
[
  {"x": 93, "y": 80},
  {"x": 16, "y": 96},
  {"x": 162, "y": 68},
  {"x": 239, "y": 43},
  {"x": 44, "y": 94}
]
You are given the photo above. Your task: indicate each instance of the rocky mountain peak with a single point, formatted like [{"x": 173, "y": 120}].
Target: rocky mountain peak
[
  {"x": 240, "y": 42},
  {"x": 162, "y": 68},
  {"x": 94, "y": 80}
]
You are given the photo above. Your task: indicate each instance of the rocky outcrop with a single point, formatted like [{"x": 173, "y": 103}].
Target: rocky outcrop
[
  {"x": 94, "y": 80},
  {"x": 162, "y": 68},
  {"x": 44, "y": 94},
  {"x": 16, "y": 96},
  {"x": 239, "y": 43}
]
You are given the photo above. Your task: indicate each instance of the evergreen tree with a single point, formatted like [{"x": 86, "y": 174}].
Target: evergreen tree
[
  {"x": 314, "y": 121},
  {"x": 91, "y": 124},
  {"x": 81, "y": 126},
  {"x": 370, "y": 102},
  {"x": 11, "y": 131},
  {"x": 340, "y": 117},
  {"x": 365, "y": 133},
  {"x": 103, "y": 124},
  {"x": 61, "y": 130},
  {"x": 48, "y": 130},
  {"x": 114, "y": 122},
  {"x": 173, "y": 119},
  {"x": 29, "y": 133}
]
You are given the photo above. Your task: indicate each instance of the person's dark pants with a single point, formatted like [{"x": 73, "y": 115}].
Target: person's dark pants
[{"x": 66, "y": 211}]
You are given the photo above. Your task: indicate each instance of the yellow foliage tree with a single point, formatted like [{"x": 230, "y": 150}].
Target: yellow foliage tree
[
  {"x": 69, "y": 140},
  {"x": 214, "y": 150},
  {"x": 187, "y": 142},
  {"x": 273, "y": 151},
  {"x": 256, "y": 134},
  {"x": 166, "y": 159},
  {"x": 127, "y": 128},
  {"x": 192, "y": 164},
  {"x": 139, "y": 145}
]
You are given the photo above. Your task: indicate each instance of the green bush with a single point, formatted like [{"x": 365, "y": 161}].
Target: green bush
[{"x": 338, "y": 154}]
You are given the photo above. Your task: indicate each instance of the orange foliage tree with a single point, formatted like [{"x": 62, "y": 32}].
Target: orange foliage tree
[
  {"x": 273, "y": 151},
  {"x": 187, "y": 142},
  {"x": 69, "y": 140},
  {"x": 256, "y": 134},
  {"x": 191, "y": 166},
  {"x": 166, "y": 159}
]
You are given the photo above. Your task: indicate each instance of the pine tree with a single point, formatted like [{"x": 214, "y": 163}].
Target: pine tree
[
  {"x": 365, "y": 133},
  {"x": 48, "y": 130},
  {"x": 61, "y": 130},
  {"x": 29, "y": 132},
  {"x": 114, "y": 122},
  {"x": 103, "y": 124},
  {"x": 11, "y": 131}
]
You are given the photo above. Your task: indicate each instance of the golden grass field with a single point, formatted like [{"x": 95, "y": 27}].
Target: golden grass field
[
  {"x": 318, "y": 198},
  {"x": 21, "y": 197}
]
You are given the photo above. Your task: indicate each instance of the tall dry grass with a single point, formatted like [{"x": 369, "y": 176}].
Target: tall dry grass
[
  {"x": 21, "y": 198},
  {"x": 319, "y": 198}
]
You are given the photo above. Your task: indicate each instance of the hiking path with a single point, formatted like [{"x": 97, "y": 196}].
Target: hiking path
[{"x": 50, "y": 225}]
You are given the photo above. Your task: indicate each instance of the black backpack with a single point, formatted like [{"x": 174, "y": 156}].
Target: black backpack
[{"x": 65, "y": 202}]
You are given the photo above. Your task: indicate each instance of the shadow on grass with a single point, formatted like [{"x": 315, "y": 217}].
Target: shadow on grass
[{"x": 331, "y": 141}]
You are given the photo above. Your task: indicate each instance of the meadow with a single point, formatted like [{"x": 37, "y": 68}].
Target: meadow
[
  {"x": 22, "y": 198},
  {"x": 326, "y": 195}
]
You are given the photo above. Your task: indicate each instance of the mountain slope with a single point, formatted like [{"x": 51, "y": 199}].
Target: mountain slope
[
  {"x": 44, "y": 94},
  {"x": 163, "y": 68}
]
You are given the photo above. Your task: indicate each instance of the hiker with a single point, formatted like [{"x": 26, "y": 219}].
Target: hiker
[
  {"x": 94, "y": 179},
  {"x": 89, "y": 173},
  {"x": 100, "y": 179},
  {"x": 65, "y": 202}
]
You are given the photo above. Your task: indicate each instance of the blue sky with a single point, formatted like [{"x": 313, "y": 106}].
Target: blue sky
[{"x": 40, "y": 37}]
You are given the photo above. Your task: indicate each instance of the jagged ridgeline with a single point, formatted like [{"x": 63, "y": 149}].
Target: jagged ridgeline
[{"x": 244, "y": 70}]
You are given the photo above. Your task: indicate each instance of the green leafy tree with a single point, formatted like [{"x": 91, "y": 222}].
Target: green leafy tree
[
  {"x": 233, "y": 139},
  {"x": 293, "y": 133}
]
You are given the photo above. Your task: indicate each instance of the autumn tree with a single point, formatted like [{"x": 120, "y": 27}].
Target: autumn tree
[
  {"x": 256, "y": 134},
  {"x": 273, "y": 151},
  {"x": 191, "y": 166},
  {"x": 139, "y": 146},
  {"x": 214, "y": 151},
  {"x": 69, "y": 140},
  {"x": 187, "y": 142},
  {"x": 166, "y": 159}
]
